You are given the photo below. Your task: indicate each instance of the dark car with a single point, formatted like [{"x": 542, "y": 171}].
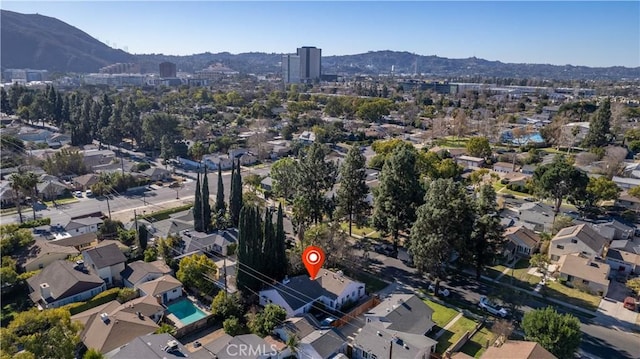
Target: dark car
[{"x": 387, "y": 250}]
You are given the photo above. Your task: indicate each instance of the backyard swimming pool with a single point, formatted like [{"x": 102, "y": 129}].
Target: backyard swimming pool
[{"x": 186, "y": 311}]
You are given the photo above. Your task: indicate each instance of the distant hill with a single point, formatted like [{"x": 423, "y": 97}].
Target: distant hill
[{"x": 41, "y": 42}]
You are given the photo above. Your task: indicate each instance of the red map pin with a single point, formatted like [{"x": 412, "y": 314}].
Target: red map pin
[{"x": 313, "y": 259}]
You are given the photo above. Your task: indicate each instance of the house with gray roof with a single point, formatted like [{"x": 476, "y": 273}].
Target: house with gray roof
[
  {"x": 247, "y": 346},
  {"x": 165, "y": 288},
  {"x": 581, "y": 271},
  {"x": 156, "y": 174},
  {"x": 198, "y": 242},
  {"x": 42, "y": 253},
  {"x": 63, "y": 282},
  {"x": 297, "y": 295},
  {"x": 376, "y": 341},
  {"x": 537, "y": 216},
  {"x": 153, "y": 346},
  {"x": 139, "y": 272},
  {"x": 84, "y": 182},
  {"x": 106, "y": 261},
  {"x": 581, "y": 239},
  {"x": 403, "y": 313},
  {"x": 314, "y": 342},
  {"x": 83, "y": 225}
]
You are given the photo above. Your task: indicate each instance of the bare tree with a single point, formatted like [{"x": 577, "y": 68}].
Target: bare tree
[{"x": 613, "y": 161}]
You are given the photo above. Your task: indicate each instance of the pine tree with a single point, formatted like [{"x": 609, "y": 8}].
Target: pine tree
[
  {"x": 352, "y": 194},
  {"x": 206, "y": 204},
  {"x": 143, "y": 236},
  {"x": 197, "y": 207},
  {"x": 280, "y": 255},
  {"x": 599, "y": 127},
  {"x": 235, "y": 202},
  {"x": 221, "y": 207}
]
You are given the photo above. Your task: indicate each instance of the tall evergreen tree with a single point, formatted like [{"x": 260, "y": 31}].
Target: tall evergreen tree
[
  {"x": 250, "y": 246},
  {"x": 280, "y": 254},
  {"x": 486, "y": 236},
  {"x": 399, "y": 193},
  {"x": 143, "y": 236},
  {"x": 352, "y": 194},
  {"x": 235, "y": 202},
  {"x": 221, "y": 207},
  {"x": 269, "y": 245},
  {"x": 5, "y": 105},
  {"x": 197, "y": 207},
  {"x": 600, "y": 126},
  {"x": 206, "y": 203}
]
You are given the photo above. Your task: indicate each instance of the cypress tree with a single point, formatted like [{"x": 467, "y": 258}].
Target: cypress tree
[
  {"x": 268, "y": 258},
  {"x": 235, "y": 202},
  {"x": 280, "y": 255},
  {"x": 244, "y": 259},
  {"x": 221, "y": 207},
  {"x": 206, "y": 204},
  {"x": 143, "y": 235},
  {"x": 197, "y": 207}
]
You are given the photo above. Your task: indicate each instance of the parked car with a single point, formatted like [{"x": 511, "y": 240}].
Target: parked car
[
  {"x": 77, "y": 194},
  {"x": 88, "y": 193},
  {"x": 507, "y": 195},
  {"x": 386, "y": 249},
  {"x": 630, "y": 303},
  {"x": 488, "y": 306},
  {"x": 442, "y": 291}
]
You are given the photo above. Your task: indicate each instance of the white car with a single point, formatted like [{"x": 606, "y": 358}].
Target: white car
[
  {"x": 78, "y": 194},
  {"x": 492, "y": 308},
  {"x": 88, "y": 193},
  {"x": 441, "y": 291}
]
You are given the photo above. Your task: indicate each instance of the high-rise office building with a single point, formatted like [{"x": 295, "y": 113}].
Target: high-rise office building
[
  {"x": 310, "y": 63},
  {"x": 291, "y": 69},
  {"x": 167, "y": 70}
]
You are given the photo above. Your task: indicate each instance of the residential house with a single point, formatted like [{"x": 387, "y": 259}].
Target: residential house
[
  {"x": 376, "y": 341},
  {"x": 198, "y": 242},
  {"x": 84, "y": 182},
  {"x": 139, "y": 272},
  {"x": 514, "y": 178},
  {"x": 63, "y": 282},
  {"x": 215, "y": 161},
  {"x": 165, "y": 289},
  {"x": 626, "y": 183},
  {"x": 236, "y": 153},
  {"x": 627, "y": 201},
  {"x": 537, "y": 216},
  {"x": 307, "y": 137},
  {"x": 504, "y": 167},
  {"x": 266, "y": 183},
  {"x": 517, "y": 349},
  {"x": 314, "y": 342},
  {"x": 247, "y": 159},
  {"x": 79, "y": 242},
  {"x": 528, "y": 170},
  {"x": 403, "y": 313},
  {"x": 525, "y": 241},
  {"x": 580, "y": 271},
  {"x": 93, "y": 158},
  {"x": 58, "y": 140},
  {"x": 51, "y": 188},
  {"x": 36, "y": 135},
  {"x": 247, "y": 346},
  {"x": 153, "y": 346},
  {"x": 623, "y": 257},
  {"x": 145, "y": 305},
  {"x": 469, "y": 162},
  {"x": 83, "y": 225},
  {"x": 614, "y": 230},
  {"x": 297, "y": 295},
  {"x": 156, "y": 174},
  {"x": 108, "y": 332},
  {"x": 7, "y": 195},
  {"x": 42, "y": 253},
  {"x": 580, "y": 239},
  {"x": 107, "y": 262}
]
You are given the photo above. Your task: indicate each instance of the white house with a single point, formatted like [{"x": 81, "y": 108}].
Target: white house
[
  {"x": 107, "y": 262},
  {"x": 139, "y": 272},
  {"x": 297, "y": 295},
  {"x": 470, "y": 162},
  {"x": 580, "y": 239},
  {"x": 165, "y": 289},
  {"x": 83, "y": 225}
]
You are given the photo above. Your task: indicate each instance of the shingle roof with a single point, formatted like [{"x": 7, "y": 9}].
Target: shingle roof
[
  {"x": 583, "y": 233},
  {"x": 105, "y": 256},
  {"x": 137, "y": 270},
  {"x": 302, "y": 290},
  {"x": 325, "y": 341},
  {"x": 160, "y": 285},
  {"x": 624, "y": 256},
  {"x": 118, "y": 330},
  {"x": 41, "y": 248},
  {"x": 375, "y": 339},
  {"x": 518, "y": 350},
  {"x": 151, "y": 346},
  {"x": 64, "y": 281},
  {"x": 405, "y": 313},
  {"x": 523, "y": 234},
  {"x": 76, "y": 241},
  {"x": 220, "y": 345},
  {"x": 584, "y": 268},
  {"x": 82, "y": 222},
  {"x": 87, "y": 180}
]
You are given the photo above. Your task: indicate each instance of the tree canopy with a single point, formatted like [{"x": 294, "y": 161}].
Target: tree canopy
[
  {"x": 559, "y": 179},
  {"x": 558, "y": 333},
  {"x": 197, "y": 271},
  {"x": 353, "y": 190}
]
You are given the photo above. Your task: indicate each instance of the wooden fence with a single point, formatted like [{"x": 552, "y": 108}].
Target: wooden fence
[{"x": 362, "y": 308}]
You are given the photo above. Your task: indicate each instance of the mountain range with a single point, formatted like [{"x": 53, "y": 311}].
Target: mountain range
[{"x": 40, "y": 42}]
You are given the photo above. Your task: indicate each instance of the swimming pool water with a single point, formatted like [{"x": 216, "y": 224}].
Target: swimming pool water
[{"x": 186, "y": 311}]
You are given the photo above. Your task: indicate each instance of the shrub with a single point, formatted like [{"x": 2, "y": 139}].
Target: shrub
[
  {"x": 99, "y": 299},
  {"x": 233, "y": 326},
  {"x": 36, "y": 223},
  {"x": 127, "y": 294}
]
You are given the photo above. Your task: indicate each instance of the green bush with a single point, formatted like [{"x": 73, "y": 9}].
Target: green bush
[
  {"x": 99, "y": 299},
  {"x": 36, "y": 223},
  {"x": 164, "y": 214}
]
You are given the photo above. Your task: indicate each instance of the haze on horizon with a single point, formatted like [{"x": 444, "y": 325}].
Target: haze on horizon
[{"x": 558, "y": 33}]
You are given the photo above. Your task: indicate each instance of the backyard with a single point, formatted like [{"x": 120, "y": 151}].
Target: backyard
[
  {"x": 478, "y": 343},
  {"x": 454, "y": 333}
]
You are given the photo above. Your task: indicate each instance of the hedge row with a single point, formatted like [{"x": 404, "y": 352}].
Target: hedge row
[
  {"x": 165, "y": 213},
  {"x": 36, "y": 223},
  {"x": 99, "y": 299}
]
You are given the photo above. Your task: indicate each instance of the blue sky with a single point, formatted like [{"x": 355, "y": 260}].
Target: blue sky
[{"x": 576, "y": 32}]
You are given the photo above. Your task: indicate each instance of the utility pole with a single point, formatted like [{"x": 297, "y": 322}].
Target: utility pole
[
  {"x": 224, "y": 271},
  {"x": 135, "y": 220},
  {"x": 108, "y": 206}
]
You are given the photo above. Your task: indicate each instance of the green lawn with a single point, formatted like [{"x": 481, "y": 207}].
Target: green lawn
[
  {"x": 520, "y": 276},
  {"x": 441, "y": 314},
  {"x": 62, "y": 201},
  {"x": 477, "y": 345},
  {"x": 362, "y": 231},
  {"x": 454, "y": 333},
  {"x": 495, "y": 271},
  {"x": 572, "y": 296}
]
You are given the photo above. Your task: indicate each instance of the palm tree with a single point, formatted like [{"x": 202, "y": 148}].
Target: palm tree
[
  {"x": 30, "y": 183},
  {"x": 292, "y": 343},
  {"x": 16, "y": 182}
]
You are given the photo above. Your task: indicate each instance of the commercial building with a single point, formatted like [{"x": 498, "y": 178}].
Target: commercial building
[
  {"x": 304, "y": 67},
  {"x": 291, "y": 69},
  {"x": 168, "y": 70}
]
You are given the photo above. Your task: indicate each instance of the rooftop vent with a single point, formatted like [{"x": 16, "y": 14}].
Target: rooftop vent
[
  {"x": 286, "y": 280},
  {"x": 379, "y": 334},
  {"x": 340, "y": 273},
  {"x": 171, "y": 346},
  {"x": 139, "y": 314},
  {"x": 104, "y": 317}
]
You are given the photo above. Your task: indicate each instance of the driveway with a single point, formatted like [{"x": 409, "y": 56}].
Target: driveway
[{"x": 611, "y": 310}]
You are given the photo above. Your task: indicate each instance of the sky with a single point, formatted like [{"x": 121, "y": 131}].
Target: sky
[{"x": 585, "y": 33}]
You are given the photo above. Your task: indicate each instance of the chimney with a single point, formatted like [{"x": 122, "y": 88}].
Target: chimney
[
  {"x": 45, "y": 290},
  {"x": 139, "y": 314}
]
